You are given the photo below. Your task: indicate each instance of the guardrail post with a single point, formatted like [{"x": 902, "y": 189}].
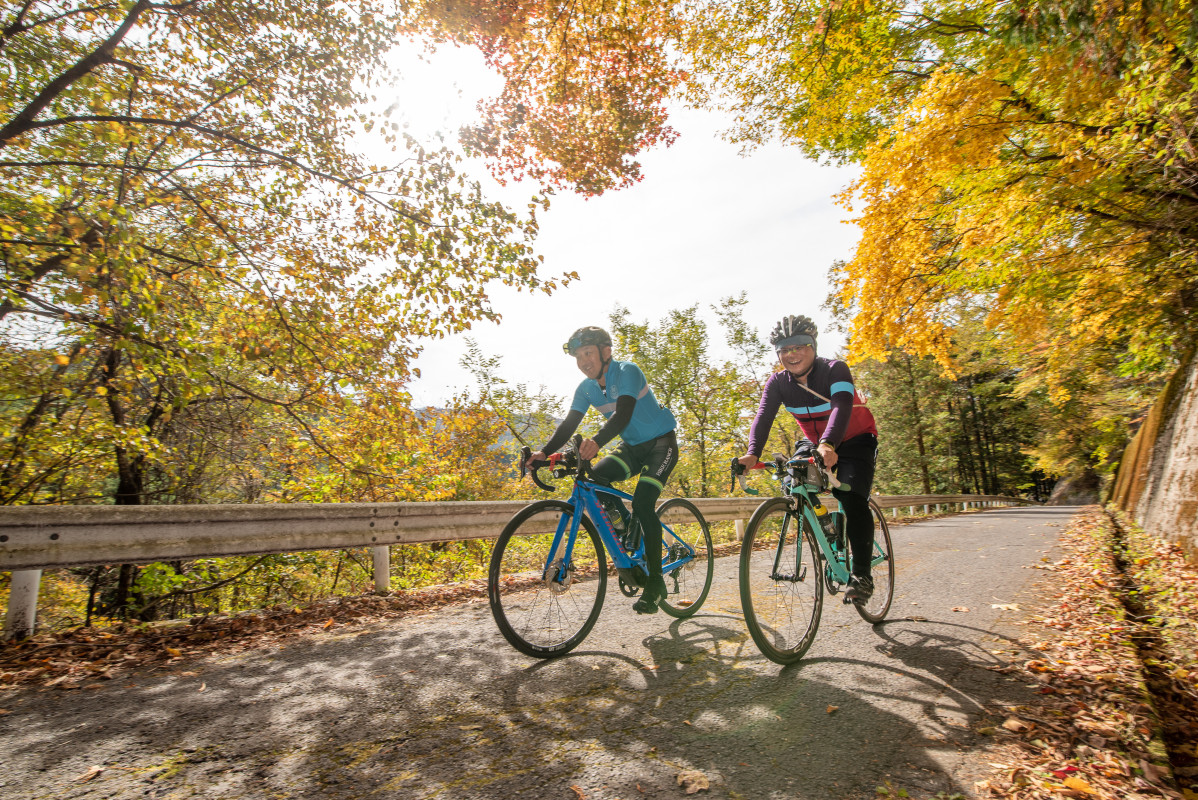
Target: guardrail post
[
  {"x": 22, "y": 604},
  {"x": 740, "y": 530},
  {"x": 381, "y": 556}
]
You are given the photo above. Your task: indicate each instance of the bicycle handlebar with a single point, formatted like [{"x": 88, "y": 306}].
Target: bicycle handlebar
[
  {"x": 568, "y": 460},
  {"x": 780, "y": 465}
]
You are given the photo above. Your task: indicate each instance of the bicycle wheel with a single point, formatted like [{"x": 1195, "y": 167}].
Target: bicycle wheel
[
  {"x": 689, "y": 584},
  {"x": 781, "y": 582},
  {"x": 544, "y": 600},
  {"x": 883, "y": 571}
]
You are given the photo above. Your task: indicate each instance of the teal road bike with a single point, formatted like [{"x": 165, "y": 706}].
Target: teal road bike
[
  {"x": 549, "y": 568},
  {"x": 790, "y": 556}
]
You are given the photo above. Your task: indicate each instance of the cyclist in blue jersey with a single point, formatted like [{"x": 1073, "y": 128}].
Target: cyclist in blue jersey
[
  {"x": 819, "y": 392},
  {"x": 619, "y": 391}
]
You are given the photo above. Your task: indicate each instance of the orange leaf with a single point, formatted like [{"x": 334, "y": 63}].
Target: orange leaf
[{"x": 1077, "y": 784}]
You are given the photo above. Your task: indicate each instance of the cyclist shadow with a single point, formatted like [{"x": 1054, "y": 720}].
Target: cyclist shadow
[
  {"x": 704, "y": 699},
  {"x": 972, "y": 674}
]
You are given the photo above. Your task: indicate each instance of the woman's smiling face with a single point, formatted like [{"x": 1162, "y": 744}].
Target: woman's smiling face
[{"x": 797, "y": 358}]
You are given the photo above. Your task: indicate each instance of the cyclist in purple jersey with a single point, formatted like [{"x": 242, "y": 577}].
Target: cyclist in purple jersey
[
  {"x": 819, "y": 392},
  {"x": 648, "y": 447}
]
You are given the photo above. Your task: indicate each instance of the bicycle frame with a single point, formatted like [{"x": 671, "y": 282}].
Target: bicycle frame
[
  {"x": 585, "y": 496},
  {"x": 838, "y": 569},
  {"x": 802, "y": 504}
]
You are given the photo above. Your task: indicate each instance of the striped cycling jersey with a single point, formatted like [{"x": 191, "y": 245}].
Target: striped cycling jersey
[
  {"x": 828, "y": 408},
  {"x": 623, "y": 378}
]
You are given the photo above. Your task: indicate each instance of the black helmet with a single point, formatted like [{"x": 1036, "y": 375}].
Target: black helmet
[
  {"x": 794, "y": 330},
  {"x": 585, "y": 336}
]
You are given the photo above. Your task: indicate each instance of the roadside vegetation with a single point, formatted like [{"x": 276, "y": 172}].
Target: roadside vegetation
[{"x": 1116, "y": 649}]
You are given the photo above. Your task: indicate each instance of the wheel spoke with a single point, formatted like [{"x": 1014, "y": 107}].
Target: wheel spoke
[
  {"x": 542, "y": 609},
  {"x": 781, "y": 583},
  {"x": 687, "y": 562},
  {"x": 883, "y": 570}
]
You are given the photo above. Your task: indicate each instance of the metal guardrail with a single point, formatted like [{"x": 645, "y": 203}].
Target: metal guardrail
[
  {"x": 33, "y": 538},
  {"x": 42, "y": 537}
]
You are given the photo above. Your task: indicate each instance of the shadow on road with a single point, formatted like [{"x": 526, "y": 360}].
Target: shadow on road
[{"x": 440, "y": 706}]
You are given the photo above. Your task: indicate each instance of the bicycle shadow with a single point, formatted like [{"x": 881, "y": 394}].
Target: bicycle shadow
[
  {"x": 441, "y": 707},
  {"x": 822, "y": 728}
]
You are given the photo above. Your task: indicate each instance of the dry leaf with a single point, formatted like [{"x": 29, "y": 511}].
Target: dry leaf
[
  {"x": 1016, "y": 725},
  {"x": 693, "y": 781},
  {"x": 960, "y": 608},
  {"x": 203, "y": 686},
  {"x": 1078, "y": 785},
  {"x": 832, "y": 709},
  {"x": 578, "y": 793},
  {"x": 91, "y": 773},
  {"x": 1005, "y": 606},
  {"x": 329, "y": 624},
  {"x": 174, "y": 652}
]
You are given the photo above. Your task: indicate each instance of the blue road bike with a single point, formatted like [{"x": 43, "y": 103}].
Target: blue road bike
[
  {"x": 789, "y": 557},
  {"x": 549, "y": 568}
]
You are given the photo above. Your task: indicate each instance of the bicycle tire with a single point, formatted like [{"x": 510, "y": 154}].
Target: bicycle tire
[
  {"x": 688, "y": 585},
  {"x": 875, "y": 610},
  {"x": 782, "y": 613},
  {"x": 538, "y": 613}
]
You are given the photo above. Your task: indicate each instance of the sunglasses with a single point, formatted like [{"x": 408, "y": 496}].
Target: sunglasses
[{"x": 794, "y": 348}]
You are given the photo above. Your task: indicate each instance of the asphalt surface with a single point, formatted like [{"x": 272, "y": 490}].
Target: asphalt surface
[{"x": 438, "y": 705}]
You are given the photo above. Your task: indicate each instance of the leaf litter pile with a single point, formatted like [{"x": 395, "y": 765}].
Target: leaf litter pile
[
  {"x": 86, "y": 657},
  {"x": 1115, "y": 666}
]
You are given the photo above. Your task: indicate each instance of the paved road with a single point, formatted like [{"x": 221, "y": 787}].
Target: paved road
[{"x": 440, "y": 706}]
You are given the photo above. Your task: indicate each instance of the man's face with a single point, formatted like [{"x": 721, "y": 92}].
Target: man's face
[
  {"x": 797, "y": 358},
  {"x": 590, "y": 360}
]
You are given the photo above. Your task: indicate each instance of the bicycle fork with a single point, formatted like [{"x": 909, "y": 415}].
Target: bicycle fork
[{"x": 800, "y": 570}]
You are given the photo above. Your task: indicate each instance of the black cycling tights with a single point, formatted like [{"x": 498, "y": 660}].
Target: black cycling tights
[
  {"x": 859, "y": 527},
  {"x": 644, "y": 509}
]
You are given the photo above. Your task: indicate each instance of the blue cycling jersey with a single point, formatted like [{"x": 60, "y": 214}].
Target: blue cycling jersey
[{"x": 623, "y": 378}]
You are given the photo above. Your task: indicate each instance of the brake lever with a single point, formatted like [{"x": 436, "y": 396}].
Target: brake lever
[
  {"x": 535, "y": 469},
  {"x": 738, "y": 474}
]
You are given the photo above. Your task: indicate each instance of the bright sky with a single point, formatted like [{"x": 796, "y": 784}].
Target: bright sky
[{"x": 704, "y": 223}]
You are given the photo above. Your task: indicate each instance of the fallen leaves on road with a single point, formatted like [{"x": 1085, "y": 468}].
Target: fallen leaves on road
[
  {"x": 65, "y": 660},
  {"x": 693, "y": 781},
  {"x": 91, "y": 773},
  {"x": 1094, "y": 733}
]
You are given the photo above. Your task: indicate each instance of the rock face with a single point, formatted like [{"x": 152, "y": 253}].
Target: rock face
[{"x": 1157, "y": 482}]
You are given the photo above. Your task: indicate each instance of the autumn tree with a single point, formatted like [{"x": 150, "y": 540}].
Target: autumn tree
[
  {"x": 1034, "y": 158},
  {"x": 585, "y": 85},
  {"x": 529, "y": 415},
  {"x": 189, "y": 227},
  {"x": 712, "y": 398}
]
